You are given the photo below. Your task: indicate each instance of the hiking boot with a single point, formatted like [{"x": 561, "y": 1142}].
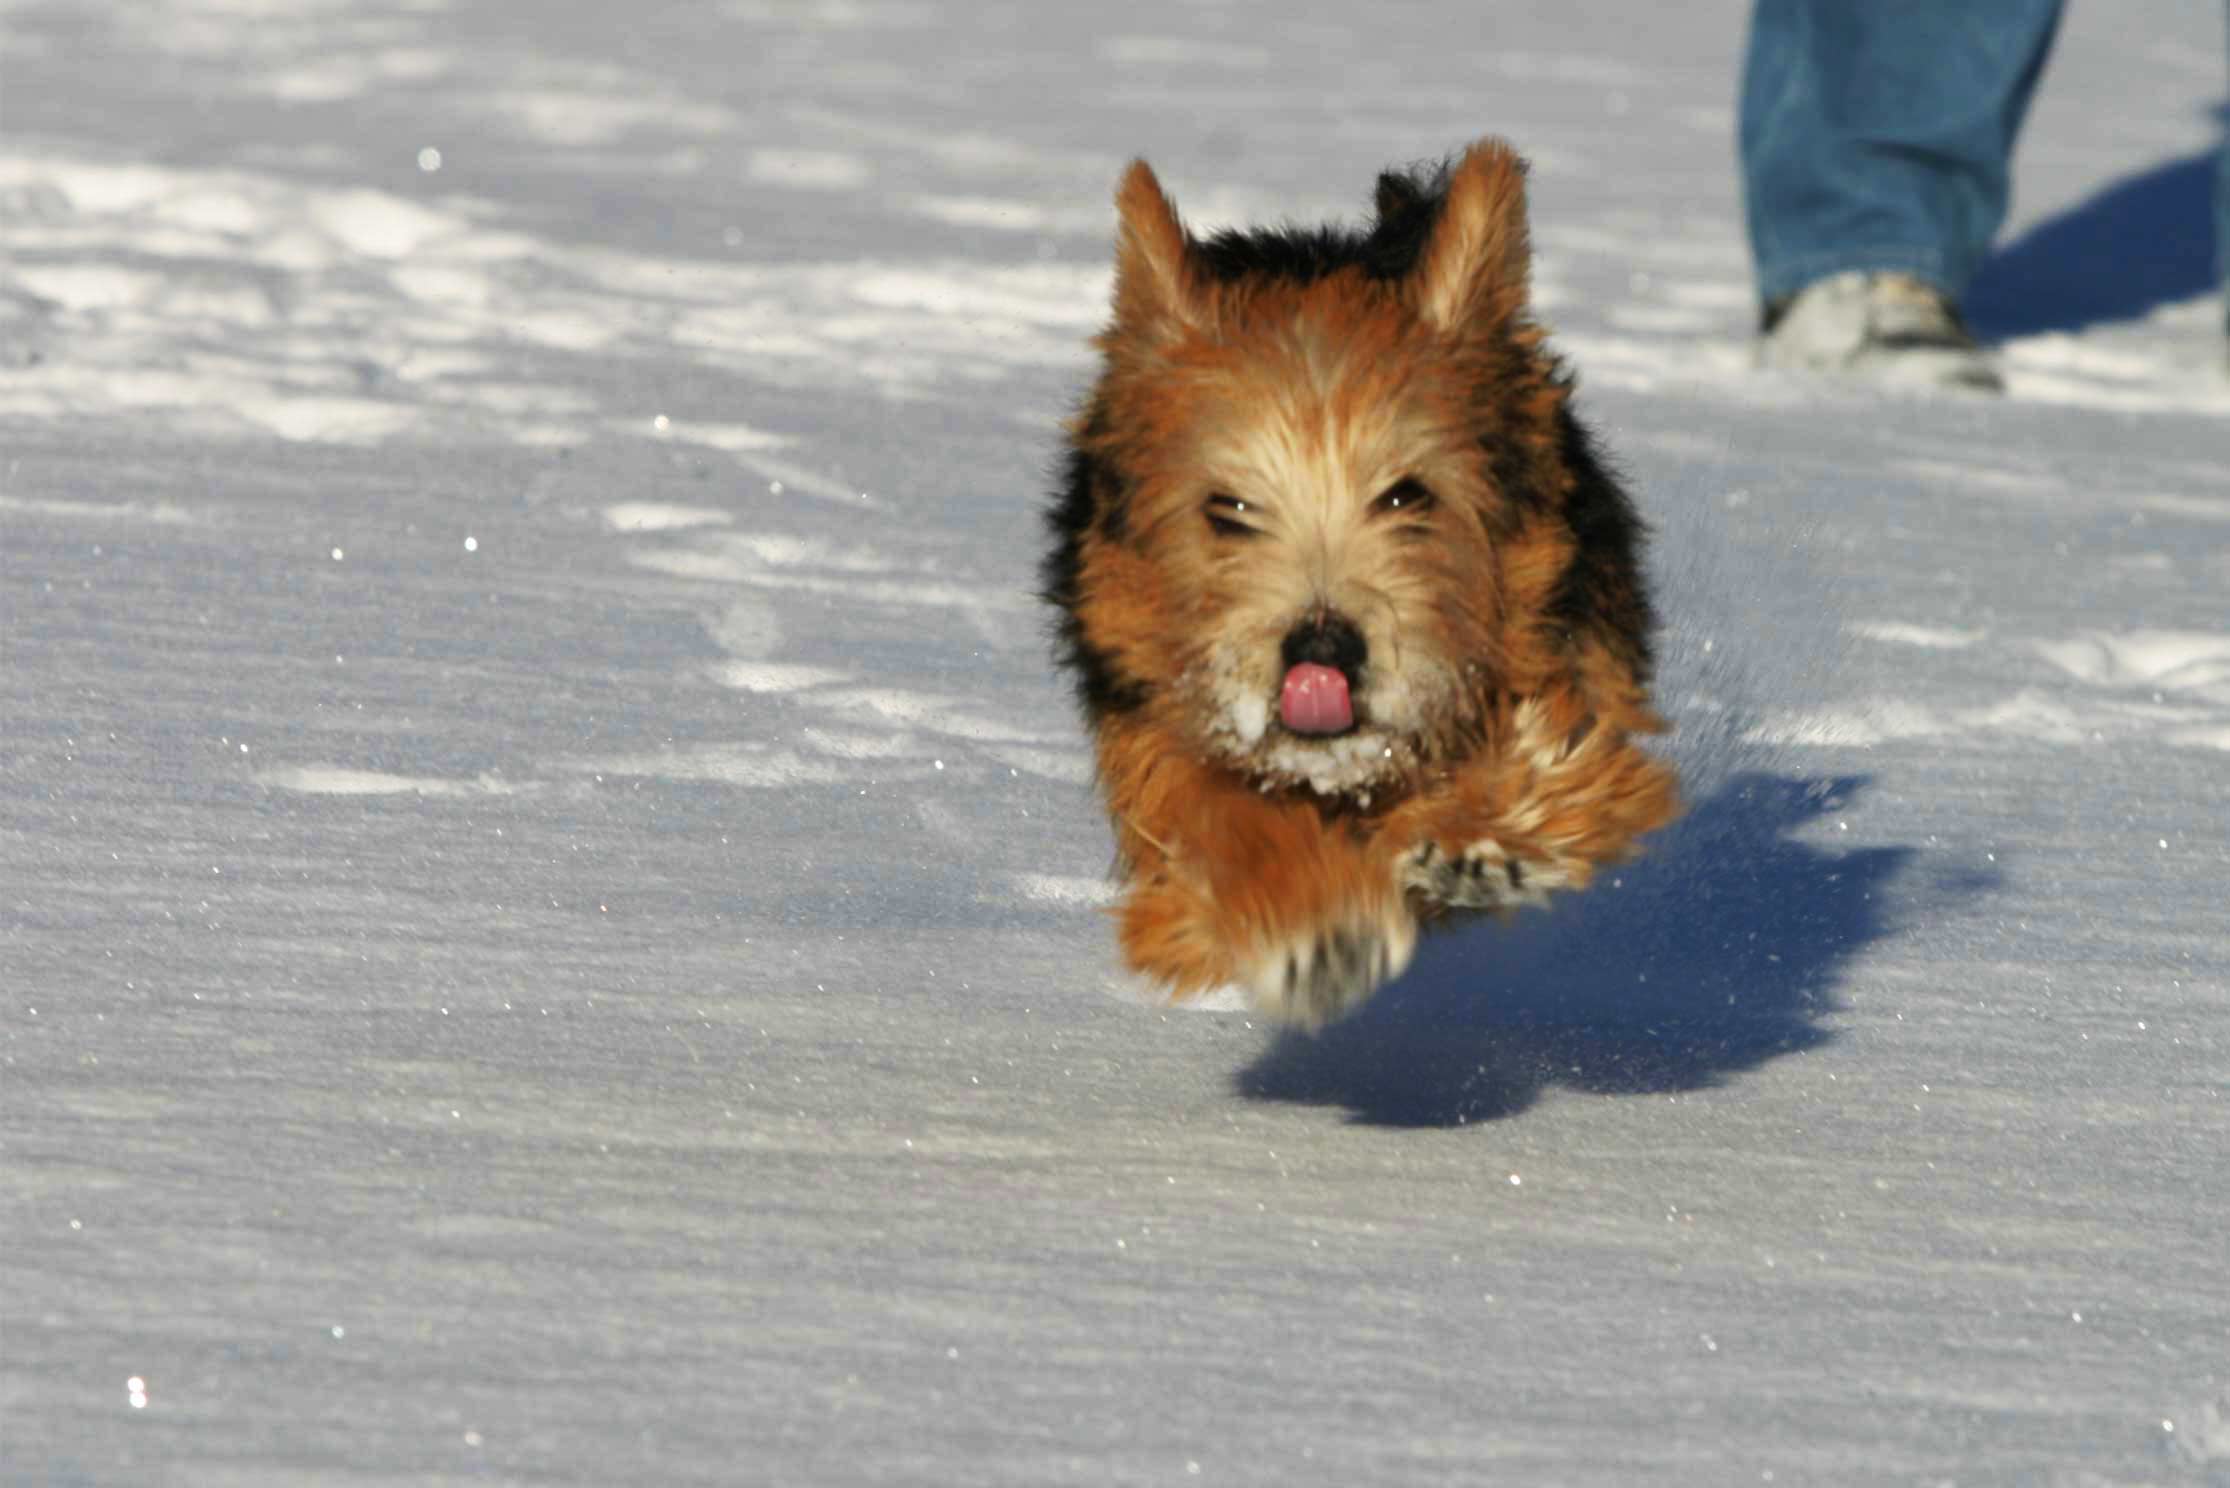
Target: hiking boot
[{"x": 1888, "y": 328}]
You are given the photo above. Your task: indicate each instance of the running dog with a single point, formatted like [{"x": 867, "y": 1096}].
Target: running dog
[{"x": 1354, "y": 608}]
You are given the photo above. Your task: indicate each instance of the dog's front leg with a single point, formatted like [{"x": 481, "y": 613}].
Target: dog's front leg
[
  {"x": 1232, "y": 887},
  {"x": 1481, "y": 874},
  {"x": 1316, "y": 971},
  {"x": 1538, "y": 814},
  {"x": 1297, "y": 962}
]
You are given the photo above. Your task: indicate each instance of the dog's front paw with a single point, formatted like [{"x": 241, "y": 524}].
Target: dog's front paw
[
  {"x": 1314, "y": 978},
  {"x": 1482, "y": 876}
]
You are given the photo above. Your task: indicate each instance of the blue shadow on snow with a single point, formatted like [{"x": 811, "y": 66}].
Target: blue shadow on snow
[
  {"x": 1716, "y": 952},
  {"x": 2141, "y": 243}
]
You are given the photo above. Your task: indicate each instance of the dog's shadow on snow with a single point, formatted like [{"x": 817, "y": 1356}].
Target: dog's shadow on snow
[{"x": 1714, "y": 952}]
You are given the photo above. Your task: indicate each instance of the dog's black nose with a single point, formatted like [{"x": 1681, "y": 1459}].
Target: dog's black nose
[{"x": 1328, "y": 639}]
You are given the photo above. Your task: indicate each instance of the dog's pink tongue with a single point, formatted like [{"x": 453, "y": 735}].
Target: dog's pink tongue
[{"x": 1314, "y": 700}]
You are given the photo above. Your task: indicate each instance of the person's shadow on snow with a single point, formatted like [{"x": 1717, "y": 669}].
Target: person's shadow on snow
[
  {"x": 1714, "y": 952},
  {"x": 2142, "y": 242}
]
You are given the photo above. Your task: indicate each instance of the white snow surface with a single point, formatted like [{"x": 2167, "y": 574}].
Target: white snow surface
[{"x": 553, "y": 921}]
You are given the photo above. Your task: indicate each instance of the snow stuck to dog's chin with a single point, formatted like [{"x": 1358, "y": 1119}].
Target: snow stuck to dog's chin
[{"x": 1375, "y": 756}]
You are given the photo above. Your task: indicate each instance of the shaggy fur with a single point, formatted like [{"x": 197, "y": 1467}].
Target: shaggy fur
[{"x": 1354, "y": 447}]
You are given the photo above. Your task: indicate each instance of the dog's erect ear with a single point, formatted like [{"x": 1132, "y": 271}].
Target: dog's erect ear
[
  {"x": 1472, "y": 272},
  {"x": 1396, "y": 194},
  {"x": 1155, "y": 289}
]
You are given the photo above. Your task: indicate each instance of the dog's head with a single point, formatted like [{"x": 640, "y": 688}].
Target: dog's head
[{"x": 1329, "y": 474}]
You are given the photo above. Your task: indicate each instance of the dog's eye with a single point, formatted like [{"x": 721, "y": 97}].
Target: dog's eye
[
  {"x": 1228, "y": 516},
  {"x": 1405, "y": 495}
]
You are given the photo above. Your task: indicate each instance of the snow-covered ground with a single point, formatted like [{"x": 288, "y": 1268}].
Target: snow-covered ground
[{"x": 550, "y": 899}]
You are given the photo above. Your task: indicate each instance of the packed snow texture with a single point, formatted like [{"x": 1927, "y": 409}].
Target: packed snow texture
[{"x": 552, "y": 913}]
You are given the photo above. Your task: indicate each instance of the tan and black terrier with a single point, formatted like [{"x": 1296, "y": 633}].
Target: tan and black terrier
[{"x": 1355, "y": 609}]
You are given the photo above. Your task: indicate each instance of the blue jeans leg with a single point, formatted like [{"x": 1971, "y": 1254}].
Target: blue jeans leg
[{"x": 1878, "y": 134}]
